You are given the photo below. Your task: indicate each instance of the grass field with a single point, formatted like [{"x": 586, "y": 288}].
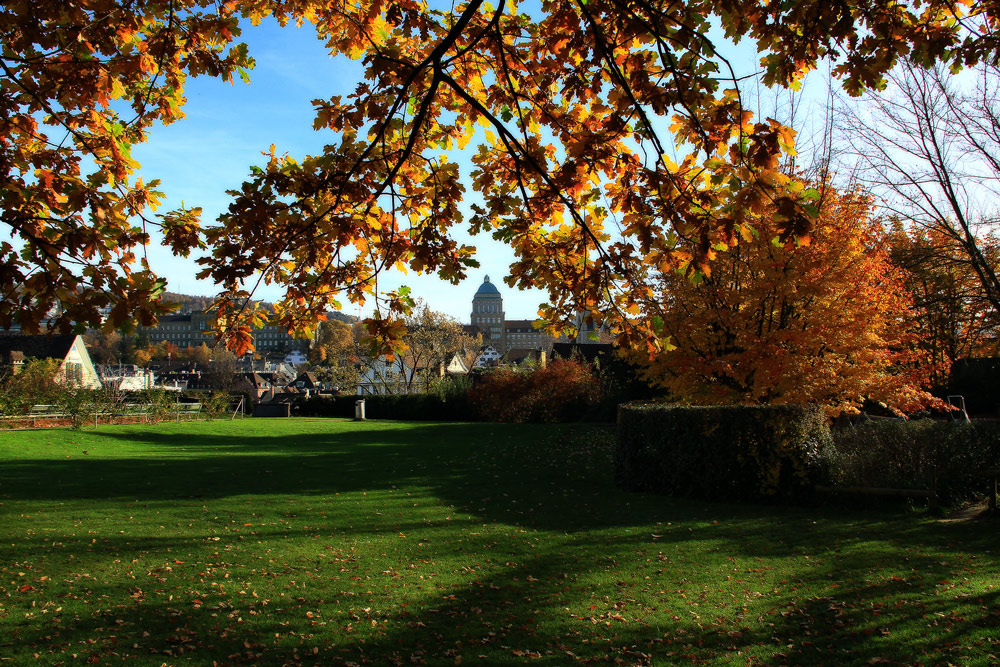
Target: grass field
[{"x": 284, "y": 542}]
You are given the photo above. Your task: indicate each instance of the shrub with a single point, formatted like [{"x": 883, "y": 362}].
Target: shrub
[
  {"x": 564, "y": 390},
  {"x": 81, "y": 405},
  {"x": 217, "y": 404},
  {"x": 915, "y": 455},
  {"x": 158, "y": 403},
  {"x": 723, "y": 452},
  {"x": 453, "y": 388},
  {"x": 500, "y": 396},
  {"x": 33, "y": 384}
]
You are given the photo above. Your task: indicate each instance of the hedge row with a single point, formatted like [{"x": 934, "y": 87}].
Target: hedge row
[
  {"x": 952, "y": 457},
  {"x": 433, "y": 407},
  {"x": 725, "y": 452},
  {"x": 782, "y": 452},
  {"x": 404, "y": 407},
  {"x": 565, "y": 390}
]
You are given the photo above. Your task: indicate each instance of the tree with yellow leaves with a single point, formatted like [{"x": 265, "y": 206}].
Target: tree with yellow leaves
[
  {"x": 776, "y": 322},
  {"x": 570, "y": 102}
]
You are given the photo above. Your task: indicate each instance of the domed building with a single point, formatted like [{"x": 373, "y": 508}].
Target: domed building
[
  {"x": 503, "y": 335},
  {"x": 488, "y": 315}
]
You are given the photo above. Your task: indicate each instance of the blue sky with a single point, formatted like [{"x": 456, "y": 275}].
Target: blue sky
[{"x": 226, "y": 129}]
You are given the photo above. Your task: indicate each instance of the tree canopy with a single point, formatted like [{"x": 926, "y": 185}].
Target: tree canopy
[
  {"x": 824, "y": 323},
  {"x": 577, "y": 105}
]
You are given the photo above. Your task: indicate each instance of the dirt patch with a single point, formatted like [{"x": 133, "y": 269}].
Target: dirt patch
[{"x": 968, "y": 513}]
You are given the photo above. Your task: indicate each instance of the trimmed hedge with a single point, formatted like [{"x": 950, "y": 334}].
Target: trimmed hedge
[
  {"x": 721, "y": 452},
  {"x": 404, "y": 407},
  {"x": 915, "y": 454}
]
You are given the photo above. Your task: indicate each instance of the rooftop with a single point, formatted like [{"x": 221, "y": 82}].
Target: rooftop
[
  {"x": 56, "y": 346},
  {"x": 487, "y": 289}
]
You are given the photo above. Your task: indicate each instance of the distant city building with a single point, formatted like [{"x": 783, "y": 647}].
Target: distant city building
[
  {"x": 256, "y": 385},
  {"x": 500, "y": 333},
  {"x": 379, "y": 376},
  {"x": 194, "y": 329},
  {"x": 488, "y": 315},
  {"x": 522, "y": 335},
  {"x": 503, "y": 335},
  {"x": 191, "y": 329},
  {"x": 456, "y": 366}
]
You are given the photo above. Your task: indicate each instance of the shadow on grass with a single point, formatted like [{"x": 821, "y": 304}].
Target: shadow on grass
[
  {"x": 615, "y": 588},
  {"x": 523, "y": 614},
  {"x": 557, "y": 478}
]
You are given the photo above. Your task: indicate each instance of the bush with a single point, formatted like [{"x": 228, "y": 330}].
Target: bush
[
  {"x": 81, "y": 405},
  {"x": 34, "y": 384},
  {"x": 915, "y": 455},
  {"x": 723, "y": 452},
  {"x": 159, "y": 404},
  {"x": 78, "y": 406},
  {"x": 496, "y": 396},
  {"x": 216, "y": 404},
  {"x": 564, "y": 390},
  {"x": 453, "y": 389}
]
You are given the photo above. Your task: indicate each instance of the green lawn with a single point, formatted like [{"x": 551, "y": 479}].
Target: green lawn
[{"x": 274, "y": 542}]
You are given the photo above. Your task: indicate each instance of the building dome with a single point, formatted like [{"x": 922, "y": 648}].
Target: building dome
[{"x": 487, "y": 289}]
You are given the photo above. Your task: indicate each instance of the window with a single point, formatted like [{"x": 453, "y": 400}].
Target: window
[{"x": 73, "y": 371}]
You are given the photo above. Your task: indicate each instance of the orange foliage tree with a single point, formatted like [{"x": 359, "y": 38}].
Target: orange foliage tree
[
  {"x": 571, "y": 105},
  {"x": 821, "y": 323}
]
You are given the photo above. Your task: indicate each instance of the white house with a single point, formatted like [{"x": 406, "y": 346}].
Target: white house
[
  {"x": 488, "y": 357},
  {"x": 379, "y": 376},
  {"x": 456, "y": 366},
  {"x": 75, "y": 366},
  {"x": 296, "y": 358},
  {"x": 126, "y": 377}
]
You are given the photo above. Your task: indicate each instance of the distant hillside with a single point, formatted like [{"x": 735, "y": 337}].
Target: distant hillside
[
  {"x": 192, "y": 304},
  {"x": 188, "y": 303},
  {"x": 343, "y": 317}
]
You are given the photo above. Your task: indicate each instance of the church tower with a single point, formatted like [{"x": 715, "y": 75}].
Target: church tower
[{"x": 488, "y": 315}]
